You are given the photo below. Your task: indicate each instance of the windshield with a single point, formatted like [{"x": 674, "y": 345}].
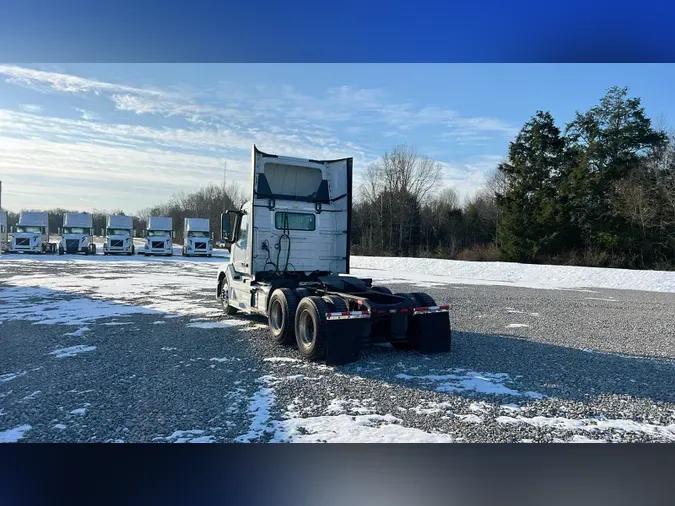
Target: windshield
[
  {"x": 31, "y": 230},
  {"x": 154, "y": 233},
  {"x": 118, "y": 231},
  {"x": 198, "y": 234},
  {"x": 76, "y": 230}
]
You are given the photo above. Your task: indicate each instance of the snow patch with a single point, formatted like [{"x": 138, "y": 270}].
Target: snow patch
[
  {"x": 13, "y": 435},
  {"x": 10, "y": 376},
  {"x": 72, "y": 351},
  {"x": 78, "y": 332},
  {"x": 186, "y": 436},
  {"x": 59, "y": 426},
  {"x": 345, "y": 428},
  {"x": 665, "y": 432},
  {"x": 281, "y": 359},
  {"x": 516, "y": 325},
  {"x": 78, "y": 411},
  {"x": 32, "y": 396},
  {"x": 470, "y": 381}
]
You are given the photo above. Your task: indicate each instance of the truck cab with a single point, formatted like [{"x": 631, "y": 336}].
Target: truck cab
[
  {"x": 31, "y": 234},
  {"x": 197, "y": 237},
  {"x": 118, "y": 235},
  {"x": 77, "y": 234},
  {"x": 159, "y": 236}
]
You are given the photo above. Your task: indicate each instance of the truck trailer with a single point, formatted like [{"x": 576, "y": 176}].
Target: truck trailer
[
  {"x": 77, "y": 234},
  {"x": 290, "y": 262},
  {"x": 197, "y": 237},
  {"x": 118, "y": 235},
  {"x": 31, "y": 234},
  {"x": 159, "y": 236},
  {"x": 3, "y": 232}
]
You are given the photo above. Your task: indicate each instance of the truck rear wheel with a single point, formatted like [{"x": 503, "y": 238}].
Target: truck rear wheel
[
  {"x": 423, "y": 299},
  {"x": 310, "y": 328},
  {"x": 281, "y": 315}
]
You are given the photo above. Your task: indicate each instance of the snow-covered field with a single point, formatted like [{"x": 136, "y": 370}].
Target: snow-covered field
[
  {"x": 136, "y": 349},
  {"x": 442, "y": 272}
]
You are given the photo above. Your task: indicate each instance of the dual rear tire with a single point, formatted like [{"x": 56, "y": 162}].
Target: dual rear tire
[{"x": 296, "y": 316}]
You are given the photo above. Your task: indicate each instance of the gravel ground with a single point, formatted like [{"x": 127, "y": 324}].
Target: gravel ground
[{"x": 129, "y": 361}]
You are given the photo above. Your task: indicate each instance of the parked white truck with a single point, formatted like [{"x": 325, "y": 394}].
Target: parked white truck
[
  {"x": 197, "y": 237},
  {"x": 118, "y": 234},
  {"x": 31, "y": 234},
  {"x": 77, "y": 234},
  {"x": 289, "y": 261},
  {"x": 3, "y": 232},
  {"x": 159, "y": 236}
]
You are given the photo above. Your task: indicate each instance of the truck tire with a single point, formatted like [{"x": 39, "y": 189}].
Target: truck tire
[
  {"x": 381, "y": 289},
  {"x": 93, "y": 249},
  {"x": 310, "y": 328},
  {"x": 61, "y": 251},
  {"x": 281, "y": 315},
  {"x": 423, "y": 299},
  {"x": 224, "y": 298},
  {"x": 302, "y": 293}
]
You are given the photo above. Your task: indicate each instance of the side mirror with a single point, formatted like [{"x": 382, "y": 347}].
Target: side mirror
[
  {"x": 134, "y": 233},
  {"x": 213, "y": 236},
  {"x": 59, "y": 231},
  {"x": 102, "y": 232},
  {"x": 228, "y": 226},
  {"x": 12, "y": 229},
  {"x": 173, "y": 234}
]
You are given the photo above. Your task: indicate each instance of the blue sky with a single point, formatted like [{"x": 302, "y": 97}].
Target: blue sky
[{"x": 130, "y": 135}]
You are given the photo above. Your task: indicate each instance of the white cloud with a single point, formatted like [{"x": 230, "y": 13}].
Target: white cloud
[
  {"x": 33, "y": 108},
  {"x": 87, "y": 115},
  {"x": 107, "y": 164}
]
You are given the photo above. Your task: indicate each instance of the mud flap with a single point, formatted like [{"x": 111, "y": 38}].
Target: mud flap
[
  {"x": 430, "y": 333},
  {"x": 343, "y": 340}
]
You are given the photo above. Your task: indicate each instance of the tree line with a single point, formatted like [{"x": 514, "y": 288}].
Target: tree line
[{"x": 598, "y": 191}]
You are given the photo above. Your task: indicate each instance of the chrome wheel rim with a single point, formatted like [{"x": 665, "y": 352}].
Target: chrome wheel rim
[
  {"x": 306, "y": 328},
  {"x": 276, "y": 315}
]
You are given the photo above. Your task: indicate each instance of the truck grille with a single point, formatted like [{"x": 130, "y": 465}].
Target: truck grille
[
  {"x": 116, "y": 244},
  {"x": 200, "y": 245},
  {"x": 157, "y": 244},
  {"x": 22, "y": 241},
  {"x": 72, "y": 245}
]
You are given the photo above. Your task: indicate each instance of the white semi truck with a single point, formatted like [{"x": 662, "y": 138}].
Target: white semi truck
[
  {"x": 31, "y": 234},
  {"x": 118, "y": 235},
  {"x": 159, "y": 236},
  {"x": 289, "y": 261},
  {"x": 197, "y": 237},
  {"x": 77, "y": 234},
  {"x": 3, "y": 232}
]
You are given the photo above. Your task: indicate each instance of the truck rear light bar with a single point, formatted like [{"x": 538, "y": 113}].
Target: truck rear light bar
[{"x": 347, "y": 315}]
